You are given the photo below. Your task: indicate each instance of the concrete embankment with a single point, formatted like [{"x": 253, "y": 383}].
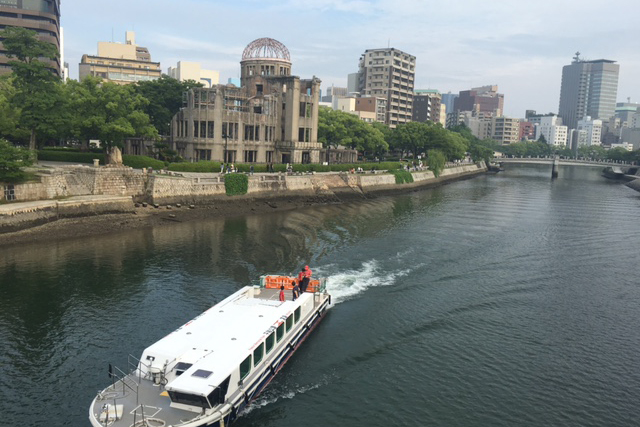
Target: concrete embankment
[
  {"x": 207, "y": 189},
  {"x": 164, "y": 189},
  {"x": 18, "y": 216}
]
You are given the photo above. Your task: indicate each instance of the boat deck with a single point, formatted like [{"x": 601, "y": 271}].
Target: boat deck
[{"x": 151, "y": 403}]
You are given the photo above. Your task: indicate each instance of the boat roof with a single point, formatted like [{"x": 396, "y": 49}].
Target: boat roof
[{"x": 218, "y": 340}]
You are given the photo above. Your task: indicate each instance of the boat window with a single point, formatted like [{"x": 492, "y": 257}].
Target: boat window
[
  {"x": 181, "y": 367},
  {"x": 201, "y": 373},
  {"x": 257, "y": 354},
  {"x": 270, "y": 341},
  {"x": 245, "y": 367},
  {"x": 217, "y": 396},
  {"x": 296, "y": 315},
  {"x": 189, "y": 399},
  {"x": 289, "y": 322},
  {"x": 280, "y": 332}
]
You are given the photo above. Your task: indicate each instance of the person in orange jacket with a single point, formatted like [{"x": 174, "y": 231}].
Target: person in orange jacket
[{"x": 306, "y": 278}]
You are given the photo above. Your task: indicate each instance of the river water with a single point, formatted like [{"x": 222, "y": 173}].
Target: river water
[{"x": 503, "y": 300}]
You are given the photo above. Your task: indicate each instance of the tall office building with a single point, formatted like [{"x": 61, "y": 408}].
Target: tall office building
[
  {"x": 389, "y": 73},
  {"x": 41, "y": 16},
  {"x": 589, "y": 88}
]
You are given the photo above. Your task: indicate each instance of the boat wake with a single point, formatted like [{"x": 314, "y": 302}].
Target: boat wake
[
  {"x": 350, "y": 283},
  {"x": 268, "y": 398}
]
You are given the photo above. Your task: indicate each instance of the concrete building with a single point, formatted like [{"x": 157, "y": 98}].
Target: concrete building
[
  {"x": 505, "y": 130},
  {"x": 593, "y": 129},
  {"x": 334, "y": 91},
  {"x": 352, "y": 83},
  {"x": 484, "y": 99},
  {"x": 588, "y": 88},
  {"x": 389, "y": 73},
  {"x": 41, "y": 16},
  {"x": 272, "y": 117},
  {"x": 371, "y": 108},
  {"x": 527, "y": 131},
  {"x": 448, "y": 100},
  {"x": 426, "y": 105},
  {"x": 551, "y": 127},
  {"x": 121, "y": 63},
  {"x": 193, "y": 71}
]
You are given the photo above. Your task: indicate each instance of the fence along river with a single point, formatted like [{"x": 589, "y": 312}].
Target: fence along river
[{"x": 507, "y": 299}]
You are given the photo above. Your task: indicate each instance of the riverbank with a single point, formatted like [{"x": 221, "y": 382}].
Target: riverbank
[{"x": 38, "y": 224}]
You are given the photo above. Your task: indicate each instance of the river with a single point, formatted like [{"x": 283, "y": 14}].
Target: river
[{"x": 508, "y": 299}]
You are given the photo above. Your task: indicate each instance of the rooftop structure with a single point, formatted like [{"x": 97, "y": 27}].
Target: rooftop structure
[{"x": 120, "y": 63}]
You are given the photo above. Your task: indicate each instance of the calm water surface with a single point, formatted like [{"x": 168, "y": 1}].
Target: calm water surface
[{"x": 503, "y": 300}]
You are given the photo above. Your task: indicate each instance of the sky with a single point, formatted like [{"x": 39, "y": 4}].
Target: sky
[{"x": 459, "y": 44}]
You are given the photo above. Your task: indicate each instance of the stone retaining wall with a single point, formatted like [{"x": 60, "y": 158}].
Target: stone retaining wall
[
  {"x": 164, "y": 189},
  {"x": 19, "y": 216}
]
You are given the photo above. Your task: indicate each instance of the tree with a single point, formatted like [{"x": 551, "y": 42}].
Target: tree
[
  {"x": 12, "y": 160},
  {"x": 37, "y": 87},
  {"x": 165, "y": 99},
  {"x": 436, "y": 161},
  {"x": 108, "y": 112},
  {"x": 339, "y": 128}
]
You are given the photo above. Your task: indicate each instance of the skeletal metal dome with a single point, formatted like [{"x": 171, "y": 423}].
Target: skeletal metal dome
[{"x": 266, "y": 48}]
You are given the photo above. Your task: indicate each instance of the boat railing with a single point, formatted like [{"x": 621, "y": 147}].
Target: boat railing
[{"x": 276, "y": 281}]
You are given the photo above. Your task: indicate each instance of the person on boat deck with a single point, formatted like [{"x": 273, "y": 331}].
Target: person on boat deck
[
  {"x": 295, "y": 291},
  {"x": 306, "y": 278},
  {"x": 282, "y": 298}
]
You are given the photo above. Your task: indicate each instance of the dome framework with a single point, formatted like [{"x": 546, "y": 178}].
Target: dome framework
[{"x": 266, "y": 48}]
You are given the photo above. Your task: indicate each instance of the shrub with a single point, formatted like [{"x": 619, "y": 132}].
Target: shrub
[
  {"x": 402, "y": 176},
  {"x": 139, "y": 162},
  {"x": 236, "y": 184},
  {"x": 69, "y": 156},
  {"x": 195, "y": 167},
  {"x": 12, "y": 160}
]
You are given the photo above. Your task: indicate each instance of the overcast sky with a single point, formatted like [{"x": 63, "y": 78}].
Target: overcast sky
[{"x": 520, "y": 46}]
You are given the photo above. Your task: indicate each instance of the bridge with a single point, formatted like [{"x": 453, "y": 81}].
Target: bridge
[{"x": 561, "y": 162}]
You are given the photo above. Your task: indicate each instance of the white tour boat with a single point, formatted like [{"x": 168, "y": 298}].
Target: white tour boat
[{"x": 208, "y": 370}]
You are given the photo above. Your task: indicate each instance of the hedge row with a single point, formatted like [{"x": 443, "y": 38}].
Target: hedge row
[
  {"x": 137, "y": 162},
  {"x": 206, "y": 166}
]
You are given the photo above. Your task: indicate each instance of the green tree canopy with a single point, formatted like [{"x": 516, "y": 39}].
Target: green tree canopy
[
  {"x": 339, "y": 128},
  {"x": 165, "y": 99},
  {"x": 436, "y": 161},
  {"x": 37, "y": 94},
  {"x": 108, "y": 112},
  {"x": 12, "y": 160}
]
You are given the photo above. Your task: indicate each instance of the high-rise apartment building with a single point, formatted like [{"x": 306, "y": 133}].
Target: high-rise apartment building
[
  {"x": 426, "y": 105},
  {"x": 193, "y": 71},
  {"x": 505, "y": 130},
  {"x": 41, "y": 16},
  {"x": 121, "y": 63},
  {"x": 389, "y": 73},
  {"x": 484, "y": 99},
  {"x": 448, "y": 100},
  {"x": 589, "y": 88}
]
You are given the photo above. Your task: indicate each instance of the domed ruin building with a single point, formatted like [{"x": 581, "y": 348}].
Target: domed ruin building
[{"x": 271, "y": 118}]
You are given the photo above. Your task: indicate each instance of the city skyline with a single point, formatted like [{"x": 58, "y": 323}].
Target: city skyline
[{"x": 467, "y": 44}]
